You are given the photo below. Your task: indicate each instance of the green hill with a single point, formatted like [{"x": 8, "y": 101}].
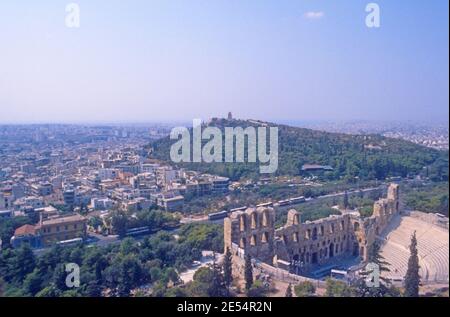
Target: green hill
[{"x": 367, "y": 157}]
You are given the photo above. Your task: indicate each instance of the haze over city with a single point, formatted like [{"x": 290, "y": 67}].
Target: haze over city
[{"x": 144, "y": 61}]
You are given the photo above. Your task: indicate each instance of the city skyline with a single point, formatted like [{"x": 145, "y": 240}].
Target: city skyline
[{"x": 169, "y": 61}]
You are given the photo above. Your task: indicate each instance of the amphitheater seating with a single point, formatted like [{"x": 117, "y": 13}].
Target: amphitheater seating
[{"x": 432, "y": 245}]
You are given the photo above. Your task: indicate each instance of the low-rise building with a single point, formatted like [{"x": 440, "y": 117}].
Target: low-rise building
[
  {"x": 63, "y": 228},
  {"x": 172, "y": 203},
  {"x": 50, "y": 231}
]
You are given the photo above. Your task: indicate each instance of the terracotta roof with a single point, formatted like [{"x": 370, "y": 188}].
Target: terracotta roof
[{"x": 25, "y": 230}]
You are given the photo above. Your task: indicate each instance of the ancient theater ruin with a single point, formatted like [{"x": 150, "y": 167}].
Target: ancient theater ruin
[{"x": 302, "y": 247}]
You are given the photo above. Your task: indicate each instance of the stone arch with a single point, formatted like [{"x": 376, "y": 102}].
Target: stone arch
[
  {"x": 314, "y": 233},
  {"x": 308, "y": 234},
  {"x": 243, "y": 242},
  {"x": 254, "y": 220},
  {"x": 322, "y": 230},
  {"x": 253, "y": 240},
  {"x": 295, "y": 236},
  {"x": 355, "y": 249},
  {"x": 377, "y": 231},
  {"x": 342, "y": 225},
  {"x": 332, "y": 229},
  {"x": 356, "y": 226},
  {"x": 265, "y": 237},
  {"x": 331, "y": 250},
  {"x": 242, "y": 223},
  {"x": 265, "y": 218}
]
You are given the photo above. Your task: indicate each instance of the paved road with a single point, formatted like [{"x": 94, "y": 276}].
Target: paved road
[{"x": 205, "y": 219}]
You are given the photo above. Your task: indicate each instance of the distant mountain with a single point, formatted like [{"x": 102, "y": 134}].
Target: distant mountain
[{"x": 350, "y": 156}]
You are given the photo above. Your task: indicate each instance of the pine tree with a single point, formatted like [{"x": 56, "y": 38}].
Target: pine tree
[
  {"x": 412, "y": 278},
  {"x": 248, "y": 272},
  {"x": 288, "y": 291},
  {"x": 227, "y": 268}
]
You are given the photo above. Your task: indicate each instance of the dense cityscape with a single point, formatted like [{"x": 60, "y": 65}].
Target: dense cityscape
[
  {"x": 224, "y": 156},
  {"x": 75, "y": 186},
  {"x": 431, "y": 135}
]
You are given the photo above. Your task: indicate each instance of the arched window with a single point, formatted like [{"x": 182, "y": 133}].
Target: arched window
[
  {"x": 253, "y": 240},
  {"x": 295, "y": 237},
  {"x": 265, "y": 221},
  {"x": 356, "y": 226},
  {"x": 242, "y": 223},
  {"x": 265, "y": 237},
  {"x": 314, "y": 234},
  {"x": 331, "y": 250},
  {"x": 254, "y": 218},
  {"x": 243, "y": 243}
]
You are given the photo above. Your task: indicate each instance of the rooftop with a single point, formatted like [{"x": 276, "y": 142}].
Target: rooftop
[
  {"x": 25, "y": 230},
  {"x": 73, "y": 218}
]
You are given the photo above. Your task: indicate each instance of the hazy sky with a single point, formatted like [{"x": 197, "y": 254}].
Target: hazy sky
[{"x": 141, "y": 61}]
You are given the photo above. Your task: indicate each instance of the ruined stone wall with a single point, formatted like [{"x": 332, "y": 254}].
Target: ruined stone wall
[
  {"x": 314, "y": 242},
  {"x": 310, "y": 243},
  {"x": 253, "y": 231}
]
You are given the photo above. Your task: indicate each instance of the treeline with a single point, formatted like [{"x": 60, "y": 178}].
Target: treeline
[
  {"x": 120, "y": 221},
  {"x": 366, "y": 157},
  {"x": 9, "y": 225},
  {"x": 148, "y": 267},
  {"x": 427, "y": 198}
]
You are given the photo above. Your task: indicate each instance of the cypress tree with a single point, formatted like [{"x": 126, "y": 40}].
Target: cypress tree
[
  {"x": 412, "y": 278},
  {"x": 288, "y": 291},
  {"x": 346, "y": 204},
  {"x": 227, "y": 268},
  {"x": 217, "y": 287},
  {"x": 248, "y": 272}
]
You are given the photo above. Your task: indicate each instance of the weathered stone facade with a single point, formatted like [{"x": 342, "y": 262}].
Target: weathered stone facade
[{"x": 308, "y": 244}]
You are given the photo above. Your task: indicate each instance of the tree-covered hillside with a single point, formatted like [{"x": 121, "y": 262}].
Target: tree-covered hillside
[{"x": 350, "y": 156}]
